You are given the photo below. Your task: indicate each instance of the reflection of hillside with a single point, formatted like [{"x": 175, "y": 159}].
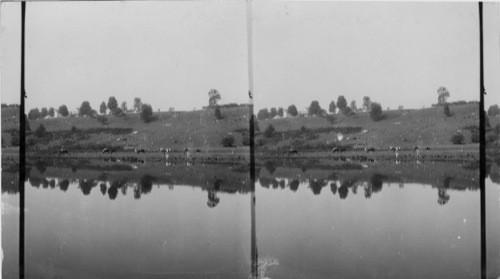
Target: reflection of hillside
[
  {"x": 369, "y": 179},
  {"x": 110, "y": 180},
  {"x": 461, "y": 176}
]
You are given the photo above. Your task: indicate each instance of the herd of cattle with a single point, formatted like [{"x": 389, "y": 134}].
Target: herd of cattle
[{"x": 394, "y": 149}]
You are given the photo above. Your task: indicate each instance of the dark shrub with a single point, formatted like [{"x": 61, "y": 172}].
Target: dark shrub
[
  {"x": 217, "y": 113},
  {"x": 458, "y": 138},
  {"x": 376, "y": 112},
  {"x": 102, "y": 119},
  {"x": 446, "y": 109},
  {"x": 40, "y": 131},
  {"x": 228, "y": 141},
  {"x": 269, "y": 132},
  {"x": 147, "y": 113}
]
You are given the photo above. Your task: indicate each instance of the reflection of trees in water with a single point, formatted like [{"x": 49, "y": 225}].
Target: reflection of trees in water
[
  {"x": 344, "y": 187},
  {"x": 104, "y": 188},
  {"x": 45, "y": 183},
  {"x": 112, "y": 193},
  {"x": 333, "y": 187},
  {"x": 147, "y": 183},
  {"x": 282, "y": 184},
  {"x": 495, "y": 173},
  {"x": 443, "y": 196},
  {"x": 213, "y": 200},
  {"x": 86, "y": 185},
  {"x": 294, "y": 185},
  {"x": 377, "y": 182},
  {"x": 52, "y": 184},
  {"x": 35, "y": 181},
  {"x": 343, "y": 192},
  {"x": 317, "y": 185},
  {"x": 63, "y": 185}
]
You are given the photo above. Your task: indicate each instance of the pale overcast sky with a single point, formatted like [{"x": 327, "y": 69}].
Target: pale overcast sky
[{"x": 173, "y": 53}]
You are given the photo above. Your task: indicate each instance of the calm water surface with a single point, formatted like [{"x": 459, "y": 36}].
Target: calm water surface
[{"x": 171, "y": 224}]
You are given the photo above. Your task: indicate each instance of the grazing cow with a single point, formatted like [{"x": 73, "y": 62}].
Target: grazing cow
[
  {"x": 392, "y": 148},
  {"x": 186, "y": 150},
  {"x": 293, "y": 151},
  {"x": 427, "y": 148},
  {"x": 371, "y": 149},
  {"x": 63, "y": 151},
  {"x": 163, "y": 150},
  {"x": 140, "y": 150},
  {"x": 105, "y": 150},
  {"x": 112, "y": 151},
  {"x": 336, "y": 150},
  {"x": 198, "y": 151}
]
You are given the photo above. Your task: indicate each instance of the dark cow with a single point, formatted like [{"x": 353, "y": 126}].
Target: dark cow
[
  {"x": 338, "y": 149},
  {"x": 371, "y": 149},
  {"x": 63, "y": 151},
  {"x": 140, "y": 150},
  {"x": 105, "y": 150},
  {"x": 198, "y": 151},
  {"x": 186, "y": 150},
  {"x": 427, "y": 148},
  {"x": 112, "y": 151},
  {"x": 163, "y": 150},
  {"x": 293, "y": 151}
]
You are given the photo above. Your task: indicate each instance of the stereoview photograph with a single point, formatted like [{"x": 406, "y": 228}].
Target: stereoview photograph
[{"x": 250, "y": 139}]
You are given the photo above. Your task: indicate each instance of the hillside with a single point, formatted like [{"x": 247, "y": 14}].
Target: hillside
[
  {"x": 405, "y": 128},
  {"x": 200, "y": 129},
  {"x": 179, "y": 130}
]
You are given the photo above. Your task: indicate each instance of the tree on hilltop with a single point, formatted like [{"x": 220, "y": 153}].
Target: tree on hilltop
[
  {"x": 147, "y": 113},
  {"x": 314, "y": 108},
  {"x": 443, "y": 94},
  {"x": 63, "y": 110},
  {"x": 376, "y": 112},
  {"x": 34, "y": 114},
  {"x": 112, "y": 104},
  {"x": 332, "y": 107},
  {"x": 273, "y": 112},
  {"x": 281, "y": 112},
  {"x": 493, "y": 110},
  {"x": 292, "y": 110},
  {"x": 137, "y": 104},
  {"x": 263, "y": 114},
  {"x": 366, "y": 103},
  {"x": 103, "y": 108},
  {"x": 44, "y": 112},
  {"x": 341, "y": 102},
  {"x": 51, "y": 112},
  {"x": 353, "y": 106},
  {"x": 124, "y": 107},
  {"x": 213, "y": 97},
  {"x": 85, "y": 109}
]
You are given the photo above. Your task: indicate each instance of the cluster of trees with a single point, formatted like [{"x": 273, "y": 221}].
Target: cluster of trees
[
  {"x": 145, "y": 110},
  {"x": 273, "y": 112},
  {"x": 315, "y": 109},
  {"x": 36, "y": 113}
]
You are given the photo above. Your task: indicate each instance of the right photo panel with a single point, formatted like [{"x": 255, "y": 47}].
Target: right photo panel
[{"x": 367, "y": 139}]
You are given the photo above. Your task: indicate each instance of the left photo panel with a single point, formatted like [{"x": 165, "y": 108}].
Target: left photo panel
[{"x": 137, "y": 140}]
